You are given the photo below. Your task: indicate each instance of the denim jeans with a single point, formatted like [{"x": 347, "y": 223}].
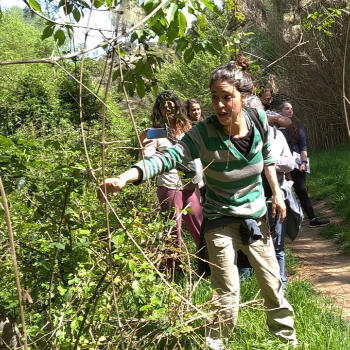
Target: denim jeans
[{"x": 278, "y": 241}]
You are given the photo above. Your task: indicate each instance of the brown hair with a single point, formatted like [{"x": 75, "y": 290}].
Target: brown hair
[
  {"x": 294, "y": 128},
  {"x": 189, "y": 104},
  {"x": 238, "y": 77}
]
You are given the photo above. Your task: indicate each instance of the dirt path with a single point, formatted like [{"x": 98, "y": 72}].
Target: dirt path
[{"x": 322, "y": 264}]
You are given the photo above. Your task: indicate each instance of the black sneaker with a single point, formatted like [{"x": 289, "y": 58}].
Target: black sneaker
[{"x": 318, "y": 222}]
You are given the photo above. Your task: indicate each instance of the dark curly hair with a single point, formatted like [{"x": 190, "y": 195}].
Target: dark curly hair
[{"x": 181, "y": 121}]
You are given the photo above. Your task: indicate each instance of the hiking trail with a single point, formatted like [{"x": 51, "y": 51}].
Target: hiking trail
[{"x": 322, "y": 263}]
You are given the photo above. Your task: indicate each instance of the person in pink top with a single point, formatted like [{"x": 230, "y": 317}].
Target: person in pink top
[{"x": 172, "y": 190}]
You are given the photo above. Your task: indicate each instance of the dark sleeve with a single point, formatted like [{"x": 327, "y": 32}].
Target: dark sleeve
[{"x": 302, "y": 138}]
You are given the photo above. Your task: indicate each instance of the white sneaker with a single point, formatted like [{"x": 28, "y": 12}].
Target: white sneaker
[{"x": 214, "y": 343}]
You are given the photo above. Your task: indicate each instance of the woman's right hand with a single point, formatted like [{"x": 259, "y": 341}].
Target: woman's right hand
[
  {"x": 143, "y": 137},
  {"x": 115, "y": 184},
  {"x": 112, "y": 185},
  {"x": 302, "y": 167}
]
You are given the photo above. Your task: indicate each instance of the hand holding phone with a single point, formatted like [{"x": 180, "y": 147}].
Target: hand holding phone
[{"x": 156, "y": 133}]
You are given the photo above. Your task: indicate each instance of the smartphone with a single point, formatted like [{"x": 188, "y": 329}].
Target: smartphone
[{"x": 156, "y": 133}]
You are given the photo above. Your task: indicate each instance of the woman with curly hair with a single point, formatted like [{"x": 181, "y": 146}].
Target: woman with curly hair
[
  {"x": 296, "y": 138},
  {"x": 172, "y": 191}
]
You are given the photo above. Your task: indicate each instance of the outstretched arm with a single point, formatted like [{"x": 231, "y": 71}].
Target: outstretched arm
[
  {"x": 282, "y": 122},
  {"x": 277, "y": 201},
  {"x": 116, "y": 184}
]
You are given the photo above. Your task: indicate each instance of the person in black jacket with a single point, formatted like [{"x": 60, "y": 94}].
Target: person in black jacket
[{"x": 296, "y": 138}]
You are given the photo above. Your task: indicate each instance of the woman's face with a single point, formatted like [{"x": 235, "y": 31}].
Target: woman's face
[
  {"x": 168, "y": 108},
  {"x": 227, "y": 102},
  {"x": 195, "y": 111},
  {"x": 287, "y": 110}
]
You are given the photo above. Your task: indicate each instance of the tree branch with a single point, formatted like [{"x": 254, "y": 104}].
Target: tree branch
[
  {"x": 54, "y": 60},
  {"x": 14, "y": 261},
  {"x": 344, "y": 78}
]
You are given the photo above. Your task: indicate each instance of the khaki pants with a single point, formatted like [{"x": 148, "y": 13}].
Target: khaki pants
[{"x": 222, "y": 245}]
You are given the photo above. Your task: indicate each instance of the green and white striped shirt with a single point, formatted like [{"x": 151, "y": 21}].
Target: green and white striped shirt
[{"x": 234, "y": 186}]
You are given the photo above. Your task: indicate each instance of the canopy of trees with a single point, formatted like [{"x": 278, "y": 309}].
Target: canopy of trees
[{"x": 71, "y": 115}]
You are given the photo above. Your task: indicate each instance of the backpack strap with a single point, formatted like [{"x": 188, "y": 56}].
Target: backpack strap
[{"x": 254, "y": 114}]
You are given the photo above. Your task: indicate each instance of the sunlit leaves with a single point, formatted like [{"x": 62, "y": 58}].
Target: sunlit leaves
[
  {"x": 182, "y": 23},
  {"x": 34, "y": 5},
  {"x": 168, "y": 25},
  {"x": 171, "y": 12},
  {"x": 5, "y": 142},
  {"x": 323, "y": 22},
  {"x": 140, "y": 88},
  {"x": 188, "y": 55},
  {"x": 201, "y": 23},
  {"x": 60, "y": 37},
  {"x": 216, "y": 45},
  {"x": 57, "y": 245},
  {"x": 48, "y": 31},
  {"x": 139, "y": 67},
  {"x": 76, "y": 14},
  {"x": 210, "y": 5},
  {"x": 98, "y": 3}
]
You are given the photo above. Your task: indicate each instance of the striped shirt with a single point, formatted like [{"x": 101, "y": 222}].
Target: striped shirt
[{"x": 234, "y": 185}]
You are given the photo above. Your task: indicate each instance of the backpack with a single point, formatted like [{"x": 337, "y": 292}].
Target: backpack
[{"x": 253, "y": 112}]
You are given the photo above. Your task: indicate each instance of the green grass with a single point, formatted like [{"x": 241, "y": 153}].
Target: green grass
[
  {"x": 318, "y": 322},
  {"x": 330, "y": 181},
  {"x": 330, "y": 178}
]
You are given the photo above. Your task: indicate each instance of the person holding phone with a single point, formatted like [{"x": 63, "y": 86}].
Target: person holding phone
[
  {"x": 169, "y": 124},
  {"x": 233, "y": 154}
]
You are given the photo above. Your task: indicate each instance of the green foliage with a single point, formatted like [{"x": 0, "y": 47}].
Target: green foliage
[
  {"x": 323, "y": 22},
  {"x": 333, "y": 183},
  {"x": 190, "y": 80},
  {"x": 62, "y": 240},
  {"x": 40, "y": 95},
  {"x": 169, "y": 25}
]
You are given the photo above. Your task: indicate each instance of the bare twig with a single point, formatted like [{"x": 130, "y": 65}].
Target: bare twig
[
  {"x": 107, "y": 142},
  {"x": 129, "y": 108},
  {"x": 72, "y": 25},
  {"x": 110, "y": 254},
  {"x": 300, "y": 43},
  {"x": 54, "y": 60},
  {"x": 344, "y": 78},
  {"x": 14, "y": 261},
  {"x": 81, "y": 93}
]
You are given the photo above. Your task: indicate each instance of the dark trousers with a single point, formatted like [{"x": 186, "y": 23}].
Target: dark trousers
[
  {"x": 299, "y": 179},
  {"x": 180, "y": 199}
]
